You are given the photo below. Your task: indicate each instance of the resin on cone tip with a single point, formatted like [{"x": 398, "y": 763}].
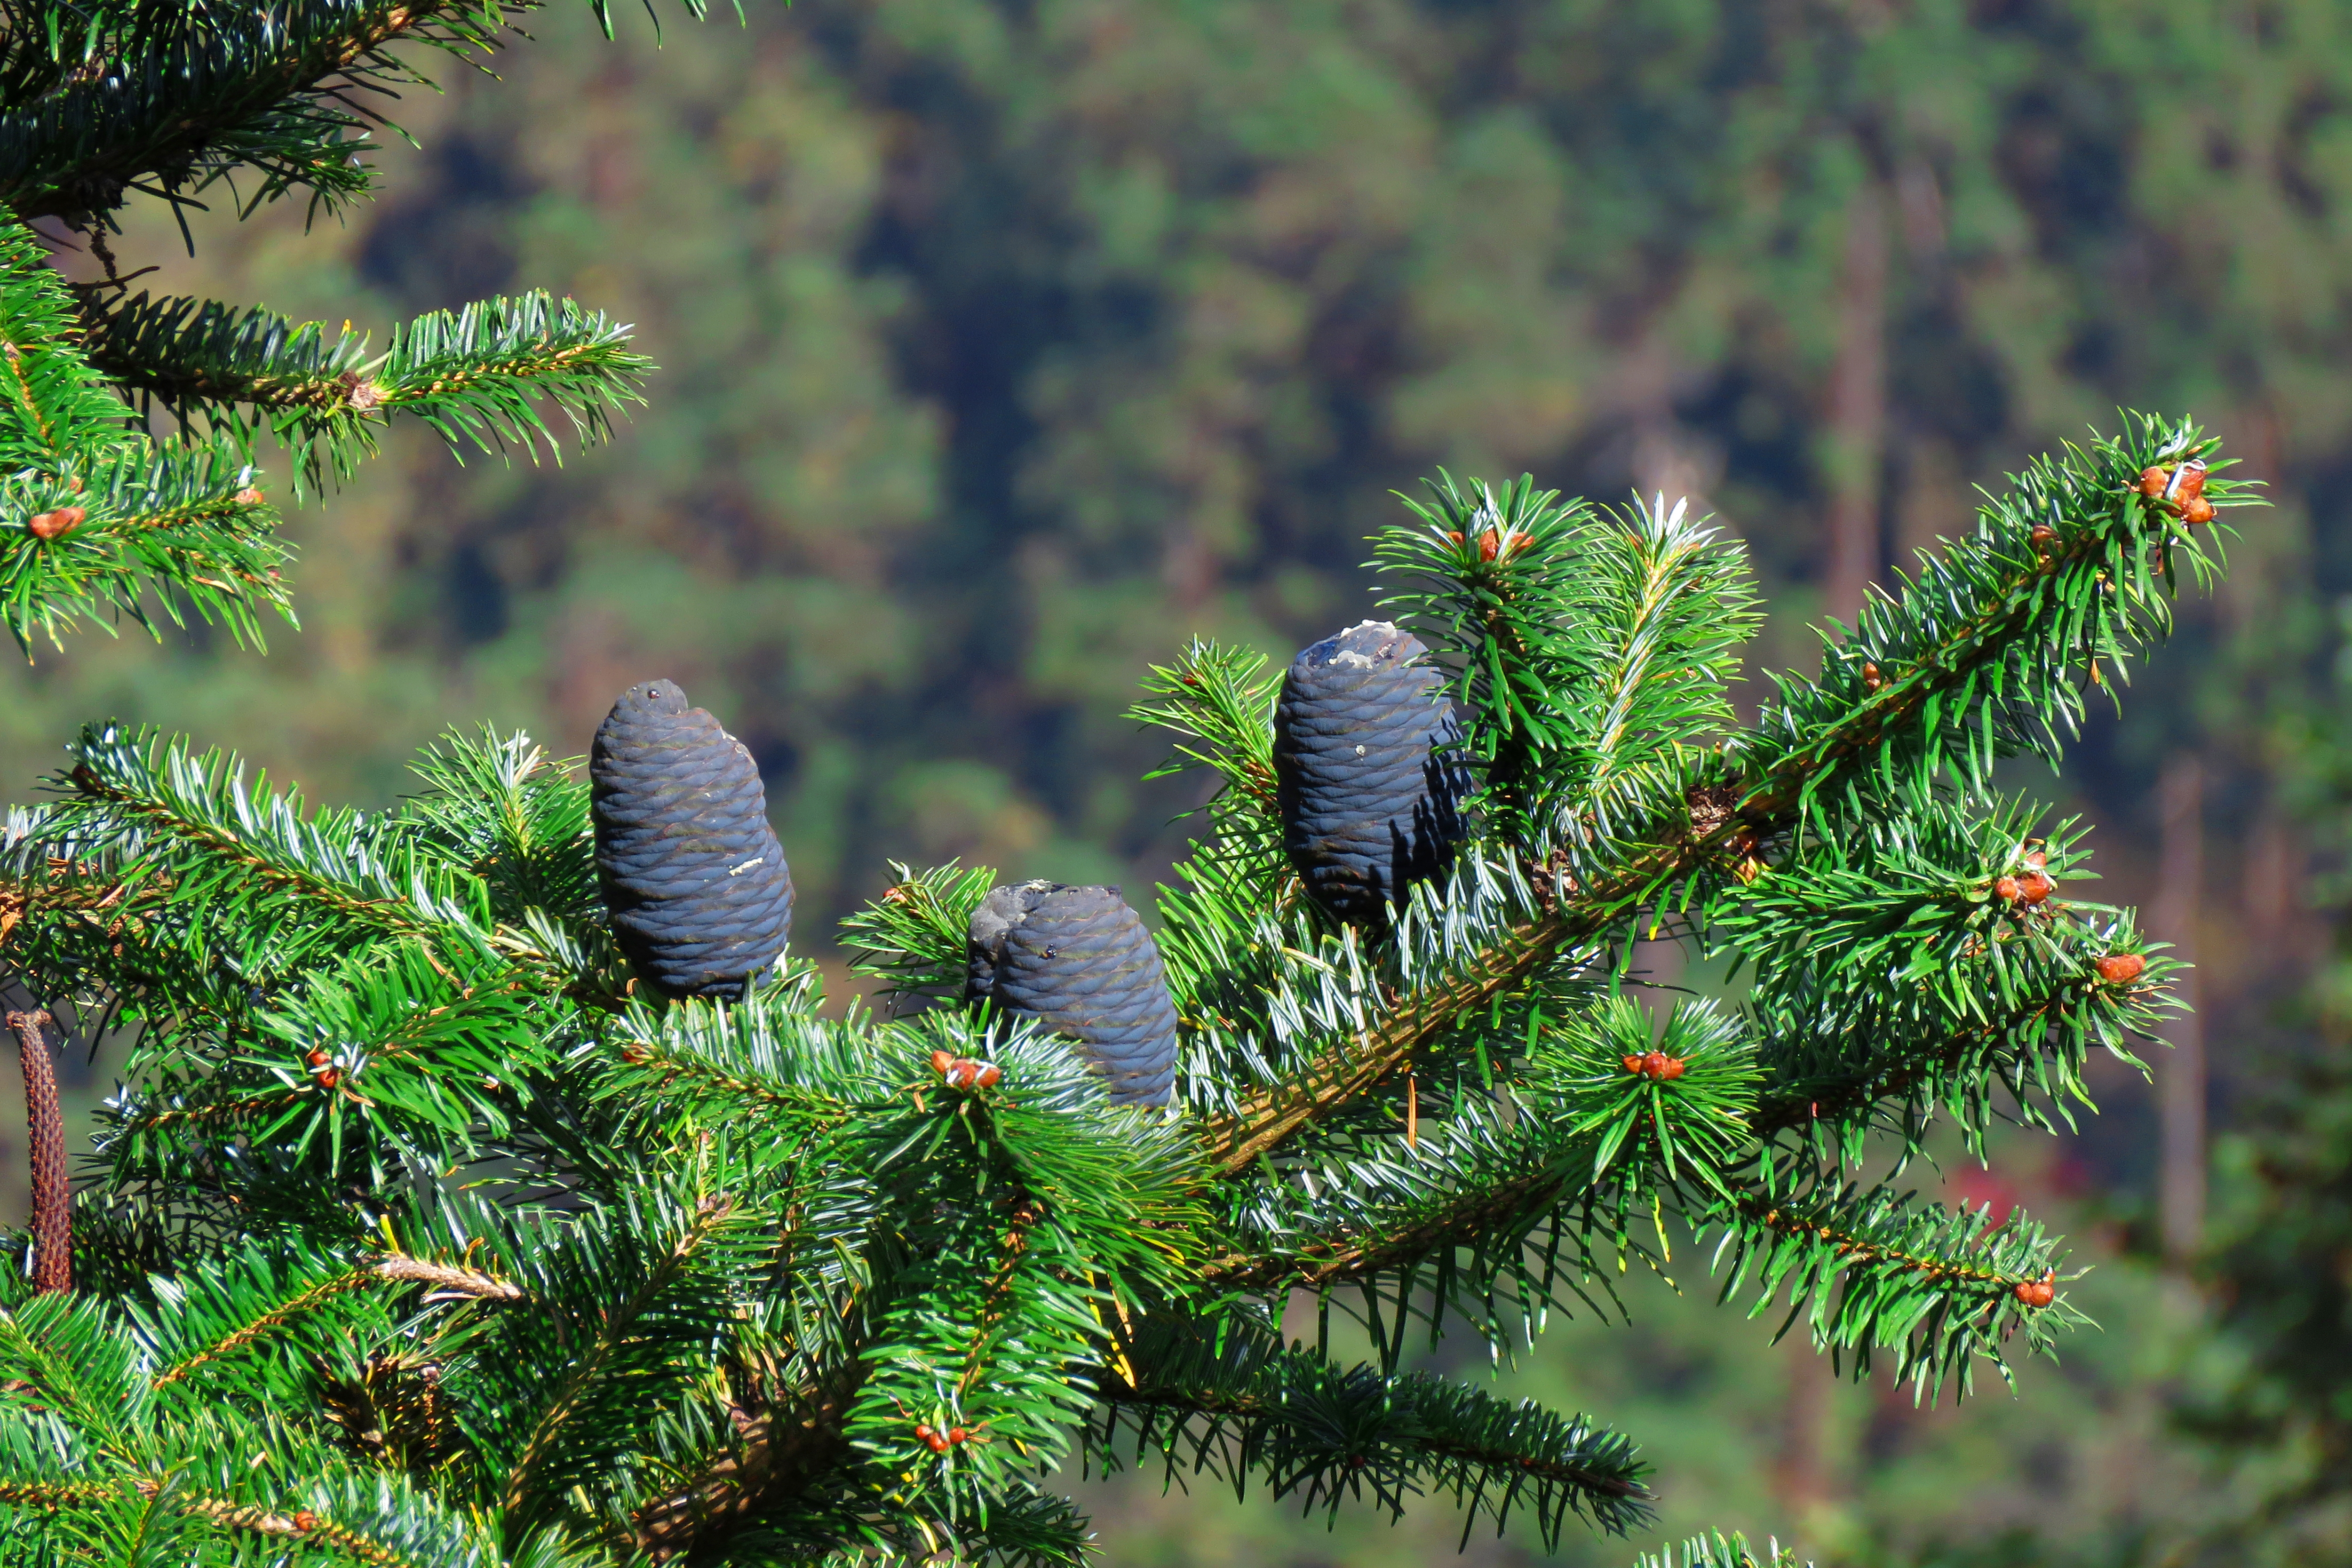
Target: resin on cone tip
[
  {"x": 1080, "y": 961},
  {"x": 1368, "y": 787},
  {"x": 693, "y": 874}
]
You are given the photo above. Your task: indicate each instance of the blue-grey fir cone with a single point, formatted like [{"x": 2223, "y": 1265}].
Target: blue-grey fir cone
[
  {"x": 1078, "y": 959},
  {"x": 699, "y": 894},
  {"x": 1370, "y": 805}
]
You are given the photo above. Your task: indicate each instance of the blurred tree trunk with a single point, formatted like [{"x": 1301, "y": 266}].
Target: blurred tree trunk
[
  {"x": 1800, "y": 1471},
  {"x": 1857, "y": 412},
  {"x": 2180, "y": 1081}
]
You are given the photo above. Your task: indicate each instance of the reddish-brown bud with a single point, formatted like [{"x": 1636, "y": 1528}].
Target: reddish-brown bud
[
  {"x": 2005, "y": 890},
  {"x": 328, "y": 1077},
  {"x": 940, "y": 1062},
  {"x": 1671, "y": 1067},
  {"x": 2044, "y": 539},
  {"x": 249, "y": 496},
  {"x": 304, "y": 1521},
  {"x": 989, "y": 1076},
  {"x": 1635, "y": 1065},
  {"x": 957, "y": 1435},
  {"x": 2196, "y": 510},
  {"x": 962, "y": 1072},
  {"x": 2038, "y": 1292},
  {"x": 2152, "y": 480},
  {"x": 2035, "y": 887},
  {"x": 2121, "y": 968},
  {"x": 50, "y": 524},
  {"x": 318, "y": 1058}
]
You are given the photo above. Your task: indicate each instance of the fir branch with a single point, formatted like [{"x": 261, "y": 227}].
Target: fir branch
[
  {"x": 144, "y": 793},
  {"x": 94, "y": 519},
  {"x": 474, "y": 376},
  {"x": 1963, "y": 624},
  {"x": 2072, "y": 568},
  {"x": 498, "y": 806},
  {"x": 1245, "y": 1407},
  {"x": 219, "y": 1313},
  {"x": 1871, "y": 1272},
  {"x": 144, "y": 100},
  {"x": 914, "y": 938}
]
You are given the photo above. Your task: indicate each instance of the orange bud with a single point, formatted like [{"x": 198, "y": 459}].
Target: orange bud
[
  {"x": 2043, "y": 538},
  {"x": 2034, "y": 887},
  {"x": 1486, "y": 545},
  {"x": 318, "y": 1058},
  {"x": 2152, "y": 480},
  {"x": 2005, "y": 890},
  {"x": 2196, "y": 510},
  {"x": 989, "y": 1076},
  {"x": 249, "y": 496},
  {"x": 1633, "y": 1064},
  {"x": 328, "y": 1077},
  {"x": 940, "y": 1062},
  {"x": 2121, "y": 968},
  {"x": 50, "y": 524},
  {"x": 1870, "y": 678},
  {"x": 304, "y": 1520},
  {"x": 2035, "y": 859},
  {"x": 1670, "y": 1068},
  {"x": 962, "y": 1072},
  {"x": 957, "y": 1434}
]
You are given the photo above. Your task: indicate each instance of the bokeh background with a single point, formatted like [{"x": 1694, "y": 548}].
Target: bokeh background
[{"x": 1006, "y": 344}]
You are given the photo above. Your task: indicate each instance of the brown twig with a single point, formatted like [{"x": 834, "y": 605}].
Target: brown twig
[{"x": 52, "y": 1198}]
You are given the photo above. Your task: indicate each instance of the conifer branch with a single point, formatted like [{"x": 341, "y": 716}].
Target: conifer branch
[
  {"x": 1248, "y": 1408},
  {"x": 270, "y": 91},
  {"x": 474, "y": 376}
]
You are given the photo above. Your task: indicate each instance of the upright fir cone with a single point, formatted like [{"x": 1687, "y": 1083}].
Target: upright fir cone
[
  {"x": 700, "y": 897},
  {"x": 1370, "y": 805},
  {"x": 1078, "y": 959}
]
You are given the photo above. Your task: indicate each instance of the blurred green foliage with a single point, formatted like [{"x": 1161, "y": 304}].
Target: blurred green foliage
[{"x": 1006, "y": 344}]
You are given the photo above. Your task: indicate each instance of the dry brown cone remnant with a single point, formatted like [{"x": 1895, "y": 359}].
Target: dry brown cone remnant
[{"x": 52, "y": 1198}]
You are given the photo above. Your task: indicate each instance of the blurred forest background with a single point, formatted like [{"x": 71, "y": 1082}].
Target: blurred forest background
[{"x": 1005, "y": 343}]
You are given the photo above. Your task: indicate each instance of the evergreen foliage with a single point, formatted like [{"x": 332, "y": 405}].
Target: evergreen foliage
[
  {"x": 100, "y": 518},
  {"x": 419, "y": 1233}
]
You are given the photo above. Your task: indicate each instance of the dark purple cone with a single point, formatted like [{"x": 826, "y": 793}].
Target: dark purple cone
[
  {"x": 1370, "y": 805},
  {"x": 700, "y": 897},
  {"x": 1078, "y": 959}
]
